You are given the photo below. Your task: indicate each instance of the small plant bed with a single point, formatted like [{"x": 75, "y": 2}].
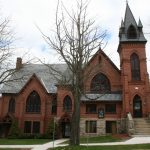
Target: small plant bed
[
  {"x": 101, "y": 139},
  {"x": 23, "y": 141},
  {"x": 114, "y": 147}
]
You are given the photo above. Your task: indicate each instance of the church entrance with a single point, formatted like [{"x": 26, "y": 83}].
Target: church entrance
[
  {"x": 65, "y": 126},
  {"x": 5, "y": 125},
  {"x": 4, "y": 129},
  {"x": 66, "y": 129},
  {"x": 137, "y": 107}
]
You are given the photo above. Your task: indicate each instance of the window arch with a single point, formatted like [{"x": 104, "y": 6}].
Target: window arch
[
  {"x": 100, "y": 84},
  {"x": 131, "y": 33},
  {"x": 33, "y": 103},
  {"x": 135, "y": 67},
  {"x": 11, "y": 107},
  {"x": 67, "y": 104}
]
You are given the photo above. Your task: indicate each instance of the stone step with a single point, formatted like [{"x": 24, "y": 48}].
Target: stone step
[
  {"x": 141, "y": 122},
  {"x": 143, "y": 133},
  {"x": 142, "y": 126}
]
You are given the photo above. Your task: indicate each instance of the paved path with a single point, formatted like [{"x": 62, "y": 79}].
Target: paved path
[{"x": 134, "y": 140}]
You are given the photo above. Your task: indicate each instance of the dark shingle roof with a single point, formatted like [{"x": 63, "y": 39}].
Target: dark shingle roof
[
  {"x": 48, "y": 77},
  {"x": 128, "y": 21},
  {"x": 101, "y": 97}
]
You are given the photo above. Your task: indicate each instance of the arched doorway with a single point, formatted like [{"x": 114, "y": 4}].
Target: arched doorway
[
  {"x": 5, "y": 125},
  {"x": 137, "y": 107},
  {"x": 65, "y": 125},
  {"x": 66, "y": 128}
]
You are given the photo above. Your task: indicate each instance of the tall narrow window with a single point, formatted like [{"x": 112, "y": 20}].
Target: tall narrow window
[
  {"x": 100, "y": 84},
  {"x": 132, "y": 32},
  {"x": 135, "y": 67},
  {"x": 11, "y": 107},
  {"x": 32, "y": 127},
  {"x": 67, "y": 105},
  {"x": 91, "y": 126},
  {"x": 33, "y": 103},
  {"x": 54, "y": 106},
  {"x": 27, "y": 127},
  {"x": 36, "y": 127}
]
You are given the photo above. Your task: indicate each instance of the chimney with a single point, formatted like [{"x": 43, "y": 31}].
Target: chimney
[{"x": 18, "y": 63}]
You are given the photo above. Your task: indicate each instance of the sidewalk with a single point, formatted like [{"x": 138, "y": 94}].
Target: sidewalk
[
  {"x": 134, "y": 140},
  {"x": 36, "y": 147}
]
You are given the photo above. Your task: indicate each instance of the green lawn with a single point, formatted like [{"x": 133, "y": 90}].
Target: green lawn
[
  {"x": 118, "y": 147},
  {"x": 98, "y": 139},
  {"x": 23, "y": 141}
]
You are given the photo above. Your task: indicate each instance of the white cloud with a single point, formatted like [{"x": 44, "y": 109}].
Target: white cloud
[{"x": 108, "y": 13}]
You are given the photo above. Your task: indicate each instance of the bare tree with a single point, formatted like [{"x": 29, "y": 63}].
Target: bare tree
[
  {"x": 6, "y": 51},
  {"x": 75, "y": 40}
]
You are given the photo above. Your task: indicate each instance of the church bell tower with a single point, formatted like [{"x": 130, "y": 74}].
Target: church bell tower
[{"x": 134, "y": 76}]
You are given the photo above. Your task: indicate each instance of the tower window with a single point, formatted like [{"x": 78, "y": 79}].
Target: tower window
[
  {"x": 135, "y": 67},
  {"x": 132, "y": 32}
]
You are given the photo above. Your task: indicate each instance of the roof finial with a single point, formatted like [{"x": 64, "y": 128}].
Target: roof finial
[{"x": 126, "y": 1}]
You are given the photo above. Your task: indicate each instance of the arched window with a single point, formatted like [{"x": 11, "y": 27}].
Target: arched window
[
  {"x": 132, "y": 32},
  {"x": 135, "y": 67},
  {"x": 33, "y": 103},
  {"x": 100, "y": 84},
  {"x": 67, "y": 105},
  {"x": 11, "y": 107}
]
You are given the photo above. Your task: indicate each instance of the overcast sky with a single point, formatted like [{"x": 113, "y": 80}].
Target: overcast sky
[{"x": 25, "y": 14}]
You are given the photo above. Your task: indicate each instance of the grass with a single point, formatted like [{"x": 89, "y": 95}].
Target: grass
[
  {"x": 23, "y": 141},
  {"x": 118, "y": 147},
  {"x": 100, "y": 139}
]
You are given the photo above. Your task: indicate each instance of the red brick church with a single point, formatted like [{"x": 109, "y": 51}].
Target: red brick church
[{"x": 37, "y": 97}]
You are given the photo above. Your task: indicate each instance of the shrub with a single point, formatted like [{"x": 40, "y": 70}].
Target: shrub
[
  {"x": 50, "y": 130},
  {"x": 14, "y": 131}
]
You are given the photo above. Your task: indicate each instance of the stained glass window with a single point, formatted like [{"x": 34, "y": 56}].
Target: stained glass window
[
  {"x": 33, "y": 103},
  {"x": 100, "y": 84}
]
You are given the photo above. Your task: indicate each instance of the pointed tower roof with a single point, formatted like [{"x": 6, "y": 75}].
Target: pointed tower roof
[
  {"x": 129, "y": 30},
  {"x": 122, "y": 24},
  {"x": 140, "y": 23},
  {"x": 129, "y": 18}
]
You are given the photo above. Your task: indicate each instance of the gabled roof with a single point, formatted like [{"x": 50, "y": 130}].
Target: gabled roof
[
  {"x": 37, "y": 79},
  {"x": 107, "y": 58},
  {"x": 43, "y": 72}
]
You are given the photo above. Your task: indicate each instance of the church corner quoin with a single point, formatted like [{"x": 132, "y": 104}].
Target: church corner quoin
[{"x": 114, "y": 100}]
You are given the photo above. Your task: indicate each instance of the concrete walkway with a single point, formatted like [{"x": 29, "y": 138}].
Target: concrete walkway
[{"x": 134, "y": 140}]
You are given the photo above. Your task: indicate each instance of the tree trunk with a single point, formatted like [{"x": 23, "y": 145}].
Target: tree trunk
[{"x": 75, "y": 124}]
